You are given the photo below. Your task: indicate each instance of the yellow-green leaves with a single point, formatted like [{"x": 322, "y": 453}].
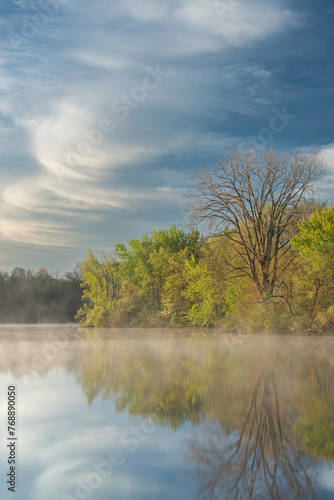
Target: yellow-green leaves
[{"x": 317, "y": 233}]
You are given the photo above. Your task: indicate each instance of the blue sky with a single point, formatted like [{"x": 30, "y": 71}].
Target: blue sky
[
  {"x": 68, "y": 437},
  {"x": 107, "y": 107}
]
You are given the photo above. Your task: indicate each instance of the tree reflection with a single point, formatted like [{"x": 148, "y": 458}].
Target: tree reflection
[
  {"x": 315, "y": 423},
  {"x": 260, "y": 461},
  {"x": 190, "y": 377}
]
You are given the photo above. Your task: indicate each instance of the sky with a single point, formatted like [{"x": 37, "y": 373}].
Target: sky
[
  {"x": 108, "y": 107},
  {"x": 68, "y": 437}
]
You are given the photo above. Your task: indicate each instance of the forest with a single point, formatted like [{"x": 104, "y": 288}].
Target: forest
[
  {"x": 38, "y": 297},
  {"x": 264, "y": 263},
  {"x": 256, "y": 256}
]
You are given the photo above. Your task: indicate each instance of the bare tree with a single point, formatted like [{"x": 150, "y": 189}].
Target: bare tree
[
  {"x": 252, "y": 196},
  {"x": 260, "y": 462}
]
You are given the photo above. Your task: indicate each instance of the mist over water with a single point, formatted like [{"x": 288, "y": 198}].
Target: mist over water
[{"x": 192, "y": 414}]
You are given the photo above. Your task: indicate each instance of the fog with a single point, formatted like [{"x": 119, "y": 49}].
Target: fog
[
  {"x": 29, "y": 297},
  {"x": 250, "y": 399}
]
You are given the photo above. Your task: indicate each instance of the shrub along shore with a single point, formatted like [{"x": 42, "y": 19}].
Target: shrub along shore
[
  {"x": 173, "y": 278},
  {"x": 265, "y": 262}
]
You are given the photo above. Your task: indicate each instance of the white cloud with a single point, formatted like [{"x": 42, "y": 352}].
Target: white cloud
[
  {"x": 63, "y": 82},
  {"x": 221, "y": 22},
  {"x": 328, "y": 154},
  {"x": 236, "y": 23},
  {"x": 327, "y": 184}
]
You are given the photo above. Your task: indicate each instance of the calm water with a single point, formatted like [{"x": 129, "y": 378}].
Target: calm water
[{"x": 167, "y": 414}]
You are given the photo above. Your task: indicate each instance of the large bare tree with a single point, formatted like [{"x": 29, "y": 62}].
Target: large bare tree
[
  {"x": 261, "y": 462},
  {"x": 253, "y": 197}
]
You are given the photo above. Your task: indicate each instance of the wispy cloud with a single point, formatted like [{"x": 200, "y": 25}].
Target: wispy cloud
[{"x": 62, "y": 83}]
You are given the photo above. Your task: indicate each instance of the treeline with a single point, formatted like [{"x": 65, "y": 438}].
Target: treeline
[
  {"x": 38, "y": 297},
  {"x": 178, "y": 278},
  {"x": 267, "y": 263}
]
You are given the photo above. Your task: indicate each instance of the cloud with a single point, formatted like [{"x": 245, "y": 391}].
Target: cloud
[
  {"x": 328, "y": 154},
  {"x": 62, "y": 82},
  {"x": 24, "y": 4},
  {"x": 236, "y": 23},
  {"x": 327, "y": 183},
  {"x": 205, "y": 26}
]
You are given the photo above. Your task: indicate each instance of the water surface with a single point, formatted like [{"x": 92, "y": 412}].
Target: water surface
[{"x": 161, "y": 414}]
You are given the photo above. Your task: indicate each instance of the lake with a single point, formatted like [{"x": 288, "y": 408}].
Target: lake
[{"x": 165, "y": 414}]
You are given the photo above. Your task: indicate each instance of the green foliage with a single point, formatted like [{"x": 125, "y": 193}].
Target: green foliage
[
  {"x": 316, "y": 234},
  {"x": 171, "y": 277},
  {"x": 145, "y": 262},
  {"x": 313, "y": 278},
  {"x": 128, "y": 289},
  {"x": 100, "y": 282},
  {"x": 205, "y": 294}
]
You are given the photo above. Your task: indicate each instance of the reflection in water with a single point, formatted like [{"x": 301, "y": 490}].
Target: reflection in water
[
  {"x": 262, "y": 407},
  {"x": 259, "y": 462}
]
